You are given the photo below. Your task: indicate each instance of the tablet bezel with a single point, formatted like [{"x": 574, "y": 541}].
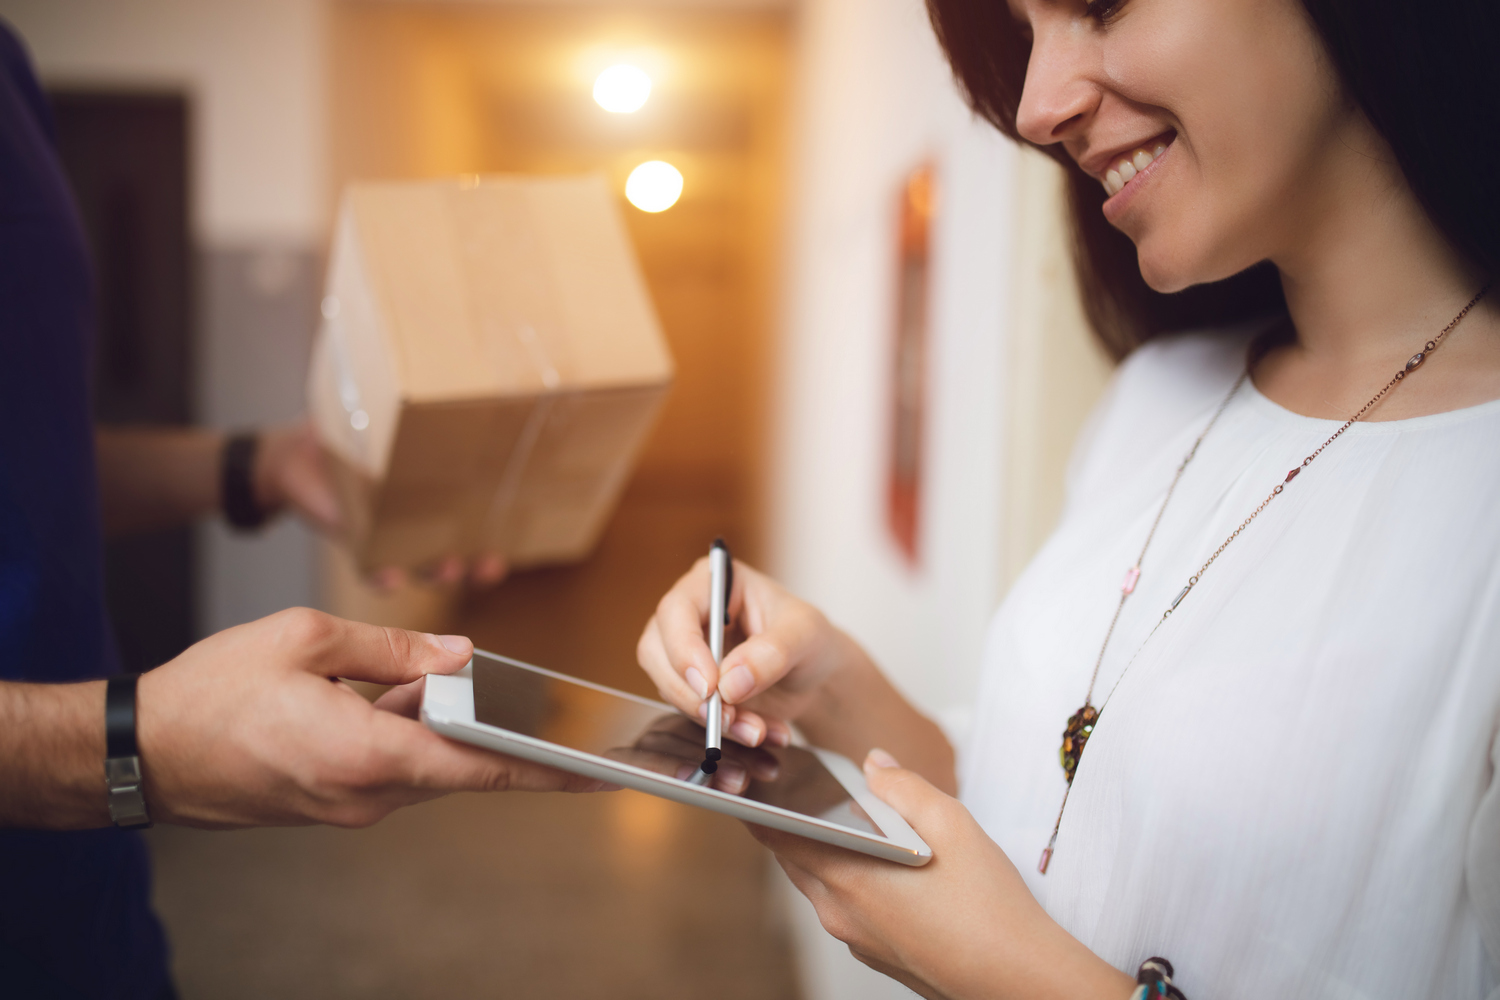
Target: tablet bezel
[{"x": 448, "y": 709}]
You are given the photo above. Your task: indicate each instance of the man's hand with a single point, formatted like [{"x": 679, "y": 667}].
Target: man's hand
[
  {"x": 251, "y": 727},
  {"x": 291, "y": 471},
  {"x": 160, "y": 477}
]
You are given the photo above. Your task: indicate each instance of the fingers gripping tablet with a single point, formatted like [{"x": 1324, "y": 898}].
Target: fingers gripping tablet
[{"x": 617, "y": 737}]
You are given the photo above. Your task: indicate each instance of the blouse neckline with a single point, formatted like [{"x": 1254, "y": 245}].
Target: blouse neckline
[{"x": 1264, "y": 404}]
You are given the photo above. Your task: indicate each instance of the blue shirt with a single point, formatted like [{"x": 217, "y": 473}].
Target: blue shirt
[{"x": 74, "y": 907}]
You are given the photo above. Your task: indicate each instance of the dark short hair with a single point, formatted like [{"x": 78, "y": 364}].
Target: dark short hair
[{"x": 1425, "y": 73}]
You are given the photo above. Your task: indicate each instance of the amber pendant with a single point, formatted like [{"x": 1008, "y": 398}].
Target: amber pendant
[{"x": 1076, "y": 737}]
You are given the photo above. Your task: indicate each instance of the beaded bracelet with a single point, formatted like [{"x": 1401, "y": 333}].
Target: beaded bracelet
[{"x": 1154, "y": 979}]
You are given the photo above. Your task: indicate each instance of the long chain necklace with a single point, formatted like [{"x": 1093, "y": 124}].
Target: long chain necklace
[{"x": 1081, "y": 723}]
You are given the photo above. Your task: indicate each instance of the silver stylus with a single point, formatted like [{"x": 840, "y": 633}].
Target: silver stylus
[{"x": 718, "y": 616}]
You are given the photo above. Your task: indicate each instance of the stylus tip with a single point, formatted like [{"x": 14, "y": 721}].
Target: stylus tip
[
  {"x": 713, "y": 753},
  {"x": 709, "y": 767}
]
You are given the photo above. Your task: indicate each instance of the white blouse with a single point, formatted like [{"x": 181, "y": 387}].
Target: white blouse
[{"x": 1292, "y": 792}]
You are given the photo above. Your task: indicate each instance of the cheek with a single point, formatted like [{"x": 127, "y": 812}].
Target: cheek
[{"x": 1245, "y": 84}]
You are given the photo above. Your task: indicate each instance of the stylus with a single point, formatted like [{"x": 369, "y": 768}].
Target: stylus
[{"x": 719, "y": 569}]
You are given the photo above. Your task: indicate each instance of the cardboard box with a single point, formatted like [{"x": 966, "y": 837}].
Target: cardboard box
[{"x": 488, "y": 367}]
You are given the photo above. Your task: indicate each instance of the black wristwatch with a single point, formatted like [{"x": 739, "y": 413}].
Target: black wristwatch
[
  {"x": 237, "y": 482},
  {"x": 122, "y": 758}
]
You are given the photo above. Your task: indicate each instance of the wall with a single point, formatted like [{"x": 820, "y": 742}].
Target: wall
[
  {"x": 253, "y": 72},
  {"x": 876, "y": 100}
]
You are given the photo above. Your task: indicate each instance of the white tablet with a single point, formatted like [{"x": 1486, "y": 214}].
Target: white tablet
[{"x": 551, "y": 718}]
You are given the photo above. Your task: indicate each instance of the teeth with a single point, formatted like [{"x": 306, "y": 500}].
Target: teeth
[{"x": 1121, "y": 173}]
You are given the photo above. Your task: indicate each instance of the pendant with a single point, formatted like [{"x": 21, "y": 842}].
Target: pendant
[{"x": 1076, "y": 737}]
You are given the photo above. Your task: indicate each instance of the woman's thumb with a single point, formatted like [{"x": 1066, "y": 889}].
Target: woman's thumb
[{"x": 916, "y": 799}]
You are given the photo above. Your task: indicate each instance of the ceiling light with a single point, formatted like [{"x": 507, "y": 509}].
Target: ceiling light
[
  {"x": 623, "y": 88},
  {"x": 654, "y": 186}
]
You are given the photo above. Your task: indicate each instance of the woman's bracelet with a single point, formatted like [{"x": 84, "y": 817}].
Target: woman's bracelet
[{"x": 1154, "y": 979}]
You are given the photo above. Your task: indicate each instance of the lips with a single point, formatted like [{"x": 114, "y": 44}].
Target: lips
[{"x": 1123, "y": 169}]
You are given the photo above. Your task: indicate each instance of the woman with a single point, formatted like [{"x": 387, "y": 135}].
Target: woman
[{"x": 1287, "y": 785}]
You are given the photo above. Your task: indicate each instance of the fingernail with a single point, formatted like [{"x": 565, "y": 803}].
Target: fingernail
[
  {"x": 695, "y": 681},
  {"x": 732, "y": 776},
  {"x": 745, "y": 733},
  {"x": 456, "y": 644},
  {"x": 737, "y": 684},
  {"x": 880, "y": 758},
  {"x": 703, "y": 712},
  {"x": 778, "y": 737}
]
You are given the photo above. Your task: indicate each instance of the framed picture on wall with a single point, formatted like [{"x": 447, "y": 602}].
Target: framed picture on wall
[{"x": 909, "y": 362}]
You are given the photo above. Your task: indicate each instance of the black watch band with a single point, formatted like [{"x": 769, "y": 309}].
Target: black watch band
[
  {"x": 237, "y": 482},
  {"x": 122, "y": 758}
]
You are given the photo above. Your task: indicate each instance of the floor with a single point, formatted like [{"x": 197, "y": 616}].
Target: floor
[{"x": 617, "y": 895}]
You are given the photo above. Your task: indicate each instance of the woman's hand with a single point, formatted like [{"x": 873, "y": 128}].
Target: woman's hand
[
  {"x": 251, "y": 727},
  {"x": 964, "y": 925},
  {"x": 291, "y": 471},
  {"x": 781, "y": 651}
]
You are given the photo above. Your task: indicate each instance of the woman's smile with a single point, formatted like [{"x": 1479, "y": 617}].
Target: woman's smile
[{"x": 1127, "y": 172}]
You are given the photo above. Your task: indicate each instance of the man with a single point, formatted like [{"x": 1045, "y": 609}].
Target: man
[{"x": 243, "y": 728}]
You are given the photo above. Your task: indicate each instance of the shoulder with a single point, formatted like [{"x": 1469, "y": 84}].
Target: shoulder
[
  {"x": 1160, "y": 388},
  {"x": 17, "y": 72},
  {"x": 1179, "y": 371}
]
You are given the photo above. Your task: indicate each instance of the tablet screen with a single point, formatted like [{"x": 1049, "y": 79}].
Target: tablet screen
[{"x": 636, "y": 732}]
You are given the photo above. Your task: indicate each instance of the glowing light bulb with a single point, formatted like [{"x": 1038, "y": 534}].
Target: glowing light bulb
[
  {"x": 622, "y": 89},
  {"x": 654, "y": 186}
]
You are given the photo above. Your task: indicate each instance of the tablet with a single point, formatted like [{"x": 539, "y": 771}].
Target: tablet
[{"x": 551, "y": 718}]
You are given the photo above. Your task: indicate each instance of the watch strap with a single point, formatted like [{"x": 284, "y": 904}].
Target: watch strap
[
  {"x": 237, "y": 482},
  {"x": 122, "y": 759}
]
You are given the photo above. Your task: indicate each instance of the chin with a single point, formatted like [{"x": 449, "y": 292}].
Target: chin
[
  {"x": 1171, "y": 266},
  {"x": 1164, "y": 274}
]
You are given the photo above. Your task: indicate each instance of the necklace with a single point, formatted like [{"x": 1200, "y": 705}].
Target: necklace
[{"x": 1081, "y": 724}]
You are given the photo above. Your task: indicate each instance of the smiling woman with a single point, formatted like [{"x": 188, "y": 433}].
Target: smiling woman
[
  {"x": 1282, "y": 773},
  {"x": 1423, "y": 75}
]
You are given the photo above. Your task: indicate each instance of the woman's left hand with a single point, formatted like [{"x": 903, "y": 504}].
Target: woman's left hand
[{"x": 963, "y": 925}]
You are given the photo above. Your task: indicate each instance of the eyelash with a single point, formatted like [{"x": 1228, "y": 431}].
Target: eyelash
[{"x": 1103, "y": 10}]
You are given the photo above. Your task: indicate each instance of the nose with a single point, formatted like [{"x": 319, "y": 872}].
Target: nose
[{"x": 1060, "y": 95}]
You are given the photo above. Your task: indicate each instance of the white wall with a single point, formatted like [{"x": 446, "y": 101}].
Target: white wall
[
  {"x": 254, "y": 70},
  {"x": 877, "y": 98}
]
